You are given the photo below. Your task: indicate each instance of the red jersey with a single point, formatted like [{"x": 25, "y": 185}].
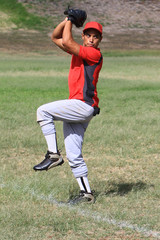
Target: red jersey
[{"x": 83, "y": 75}]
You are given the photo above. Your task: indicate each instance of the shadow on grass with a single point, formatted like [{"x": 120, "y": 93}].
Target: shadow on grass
[{"x": 122, "y": 189}]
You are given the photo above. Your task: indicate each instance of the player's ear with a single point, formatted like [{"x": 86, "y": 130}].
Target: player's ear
[{"x": 82, "y": 36}]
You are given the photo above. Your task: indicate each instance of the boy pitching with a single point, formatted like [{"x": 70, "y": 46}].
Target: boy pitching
[{"x": 77, "y": 111}]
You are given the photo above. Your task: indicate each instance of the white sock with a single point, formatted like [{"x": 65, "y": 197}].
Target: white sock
[
  {"x": 51, "y": 142},
  {"x": 84, "y": 184}
]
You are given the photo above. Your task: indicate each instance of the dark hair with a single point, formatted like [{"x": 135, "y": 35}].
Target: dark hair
[{"x": 94, "y": 29}]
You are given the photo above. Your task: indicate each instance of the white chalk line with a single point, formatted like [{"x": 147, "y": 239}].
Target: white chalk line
[{"x": 86, "y": 213}]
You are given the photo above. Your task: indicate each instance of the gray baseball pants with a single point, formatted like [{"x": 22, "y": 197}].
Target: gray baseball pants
[{"x": 75, "y": 115}]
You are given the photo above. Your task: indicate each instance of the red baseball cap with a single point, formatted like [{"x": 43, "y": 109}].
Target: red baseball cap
[{"x": 94, "y": 25}]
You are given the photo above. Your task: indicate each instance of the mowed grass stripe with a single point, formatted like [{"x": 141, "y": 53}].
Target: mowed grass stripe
[
  {"x": 65, "y": 74},
  {"x": 127, "y": 68}
]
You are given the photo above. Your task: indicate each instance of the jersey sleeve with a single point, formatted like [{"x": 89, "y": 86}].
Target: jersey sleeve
[{"x": 90, "y": 54}]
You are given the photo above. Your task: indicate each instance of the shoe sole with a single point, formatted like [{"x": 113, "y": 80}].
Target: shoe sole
[
  {"x": 83, "y": 200},
  {"x": 55, "y": 164}
]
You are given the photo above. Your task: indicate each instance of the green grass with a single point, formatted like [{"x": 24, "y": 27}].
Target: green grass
[
  {"x": 131, "y": 53},
  {"x": 121, "y": 149},
  {"x": 20, "y": 17}
]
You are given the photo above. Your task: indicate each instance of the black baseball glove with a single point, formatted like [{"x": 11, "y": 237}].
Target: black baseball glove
[{"x": 76, "y": 16}]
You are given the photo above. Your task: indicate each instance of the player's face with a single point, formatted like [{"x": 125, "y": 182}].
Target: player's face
[{"x": 91, "y": 38}]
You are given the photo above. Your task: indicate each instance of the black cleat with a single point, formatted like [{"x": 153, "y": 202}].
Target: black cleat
[
  {"x": 83, "y": 197},
  {"x": 51, "y": 160}
]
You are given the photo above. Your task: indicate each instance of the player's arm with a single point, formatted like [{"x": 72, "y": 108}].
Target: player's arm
[
  {"x": 67, "y": 40},
  {"x": 56, "y": 36}
]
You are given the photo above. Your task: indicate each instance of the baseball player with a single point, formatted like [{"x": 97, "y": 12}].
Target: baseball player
[{"x": 82, "y": 105}]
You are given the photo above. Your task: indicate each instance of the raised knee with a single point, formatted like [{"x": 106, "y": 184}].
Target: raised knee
[{"x": 40, "y": 114}]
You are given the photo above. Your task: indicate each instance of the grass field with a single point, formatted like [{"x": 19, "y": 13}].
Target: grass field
[
  {"x": 121, "y": 149},
  {"x": 15, "y": 15}
]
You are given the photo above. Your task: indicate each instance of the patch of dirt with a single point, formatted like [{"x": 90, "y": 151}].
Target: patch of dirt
[
  {"x": 127, "y": 24},
  {"x": 19, "y": 41}
]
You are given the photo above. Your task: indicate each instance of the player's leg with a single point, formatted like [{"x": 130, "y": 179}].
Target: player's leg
[
  {"x": 64, "y": 110},
  {"x": 53, "y": 157},
  {"x": 73, "y": 138}
]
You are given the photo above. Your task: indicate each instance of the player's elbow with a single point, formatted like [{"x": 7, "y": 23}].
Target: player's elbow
[
  {"x": 53, "y": 38},
  {"x": 66, "y": 43}
]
